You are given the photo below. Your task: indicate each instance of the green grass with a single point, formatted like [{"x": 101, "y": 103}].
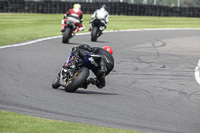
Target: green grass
[
  {"x": 141, "y": 22},
  {"x": 18, "y": 123},
  {"x": 17, "y": 27}
]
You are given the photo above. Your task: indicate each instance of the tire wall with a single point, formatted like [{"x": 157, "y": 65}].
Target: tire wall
[{"x": 114, "y": 8}]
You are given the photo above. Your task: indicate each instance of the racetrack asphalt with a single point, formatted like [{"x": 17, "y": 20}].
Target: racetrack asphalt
[{"x": 151, "y": 89}]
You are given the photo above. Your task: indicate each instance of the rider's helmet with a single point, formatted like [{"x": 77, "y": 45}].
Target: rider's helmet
[
  {"x": 104, "y": 6},
  {"x": 109, "y": 49},
  {"x": 77, "y": 6}
]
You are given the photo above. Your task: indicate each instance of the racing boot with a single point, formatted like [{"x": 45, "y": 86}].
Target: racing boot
[
  {"x": 99, "y": 82},
  {"x": 85, "y": 85},
  {"x": 93, "y": 81},
  {"x": 75, "y": 31}
]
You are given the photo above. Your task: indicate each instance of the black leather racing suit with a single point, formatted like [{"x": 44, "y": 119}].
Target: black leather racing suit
[{"x": 106, "y": 63}]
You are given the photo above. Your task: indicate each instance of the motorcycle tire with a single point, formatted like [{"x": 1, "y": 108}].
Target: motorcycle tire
[
  {"x": 67, "y": 35},
  {"x": 78, "y": 81},
  {"x": 94, "y": 33},
  {"x": 55, "y": 83}
]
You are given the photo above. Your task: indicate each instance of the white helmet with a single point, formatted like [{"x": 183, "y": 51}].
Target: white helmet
[{"x": 104, "y": 6}]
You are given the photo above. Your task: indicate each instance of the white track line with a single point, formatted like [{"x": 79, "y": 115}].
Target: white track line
[{"x": 197, "y": 72}]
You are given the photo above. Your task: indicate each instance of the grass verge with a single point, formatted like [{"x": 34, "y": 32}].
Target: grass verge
[
  {"x": 18, "y": 123},
  {"x": 18, "y": 27}
]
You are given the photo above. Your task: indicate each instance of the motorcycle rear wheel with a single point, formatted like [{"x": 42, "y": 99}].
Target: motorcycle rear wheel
[
  {"x": 67, "y": 35},
  {"x": 79, "y": 78},
  {"x": 94, "y": 33}
]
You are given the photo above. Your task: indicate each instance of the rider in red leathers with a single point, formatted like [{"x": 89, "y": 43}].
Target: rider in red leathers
[{"x": 75, "y": 14}]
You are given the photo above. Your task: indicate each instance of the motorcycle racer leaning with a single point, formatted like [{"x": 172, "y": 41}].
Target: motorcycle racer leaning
[
  {"x": 75, "y": 14},
  {"x": 101, "y": 14},
  {"x": 100, "y": 68}
]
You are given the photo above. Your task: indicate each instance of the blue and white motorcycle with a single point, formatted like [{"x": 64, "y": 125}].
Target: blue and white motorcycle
[{"x": 74, "y": 76}]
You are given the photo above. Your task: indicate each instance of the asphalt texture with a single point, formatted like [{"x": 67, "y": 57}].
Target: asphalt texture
[{"x": 152, "y": 87}]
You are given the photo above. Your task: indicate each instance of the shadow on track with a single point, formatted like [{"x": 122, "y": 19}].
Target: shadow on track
[
  {"x": 72, "y": 43},
  {"x": 102, "y": 41},
  {"x": 94, "y": 92},
  {"x": 88, "y": 92}
]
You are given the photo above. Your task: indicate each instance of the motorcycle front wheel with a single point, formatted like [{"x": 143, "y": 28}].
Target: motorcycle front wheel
[
  {"x": 55, "y": 83},
  {"x": 79, "y": 78}
]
